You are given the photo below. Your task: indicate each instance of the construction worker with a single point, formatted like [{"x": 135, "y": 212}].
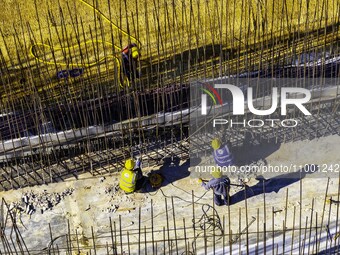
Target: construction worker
[
  {"x": 222, "y": 155},
  {"x": 220, "y": 185},
  {"x": 131, "y": 177},
  {"x": 130, "y": 55}
]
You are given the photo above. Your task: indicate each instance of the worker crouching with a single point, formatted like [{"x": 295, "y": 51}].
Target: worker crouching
[
  {"x": 131, "y": 178},
  {"x": 220, "y": 186}
]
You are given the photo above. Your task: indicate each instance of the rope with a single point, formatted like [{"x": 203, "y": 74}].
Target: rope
[
  {"x": 189, "y": 202},
  {"x": 207, "y": 222},
  {"x": 125, "y": 80},
  {"x": 71, "y": 47},
  {"x": 111, "y": 23},
  {"x": 210, "y": 223}
]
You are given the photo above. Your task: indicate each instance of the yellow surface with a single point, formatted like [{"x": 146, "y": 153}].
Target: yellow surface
[
  {"x": 255, "y": 32},
  {"x": 116, "y": 56}
]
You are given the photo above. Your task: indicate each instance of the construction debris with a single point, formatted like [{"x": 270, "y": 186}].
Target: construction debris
[
  {"x": 112, "y": 189},
  {"x": 32, "y": 202},
  {"x": 111, "y": 209}
]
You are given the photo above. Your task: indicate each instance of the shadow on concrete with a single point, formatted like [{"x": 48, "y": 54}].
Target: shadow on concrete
[
  {"x": 172, "y": 171},
  {"x": 253, "y": 150},
  {"x": 181, "y": 62},
  {"x": 330, "y": 250},
  {"x": 270, "y": 185}
]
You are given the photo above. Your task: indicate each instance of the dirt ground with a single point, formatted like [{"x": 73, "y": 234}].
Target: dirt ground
[{"x": 95, "y": 200}]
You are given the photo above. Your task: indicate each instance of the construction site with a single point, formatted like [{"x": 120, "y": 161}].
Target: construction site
[{"x": 93, "y": 92}]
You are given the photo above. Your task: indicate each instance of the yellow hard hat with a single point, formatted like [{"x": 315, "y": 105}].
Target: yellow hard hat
[
  {"x": 134, "y": 52},
  {"x": 129, "y": 164},
  {"x": 216, "y": 143},
  {"x": 216, "y": 173}
]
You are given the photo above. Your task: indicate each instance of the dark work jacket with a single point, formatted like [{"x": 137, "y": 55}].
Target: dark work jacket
[{"x": 220, "y": 186}]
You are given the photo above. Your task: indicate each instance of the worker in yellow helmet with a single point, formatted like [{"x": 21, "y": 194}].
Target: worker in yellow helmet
[
  {"x": 131, "y": 178},
  {"x": 220, "y": 186},
  {"x": 130, "y": 56},
  {"x": 222, "y": 155}
]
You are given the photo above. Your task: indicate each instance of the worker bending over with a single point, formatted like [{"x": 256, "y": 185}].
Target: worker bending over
[
  {"x": 130, "y": 55},
  {"x": 220, "y": 186},
  {"x": 131, "y": 178},
  {"x": 222, "y": 155}
]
